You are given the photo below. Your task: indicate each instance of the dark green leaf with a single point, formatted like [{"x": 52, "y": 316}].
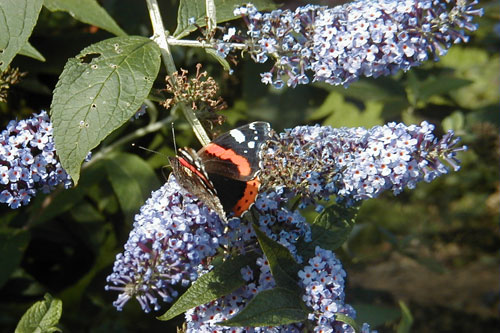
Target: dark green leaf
[
  {"x": 222, "y": 280},
  {"x": 97, "y": 92},
  {"x": 17, "y": 20},
  {"x": 86, "y": 11},
  {"x": 132, "y": 180},
  {"x": 12, "y": 246},
  {"x": 339, "y": 113},
  {"x": 62, "y": 200},
  {"x": 224, "y": 8},
  {"x": 330, "y": 229},
  {"x": 348, "y": 320},
  {"x": 272, "y": 307},
  {"x": 29, "y": 51},
  {"x": 41, "y": 316},
  {"x": 439, "y": 86},
  {"x": 406, "y": 319},
  {"x": 283, "y": 267},
  {"x": 375, "y": 315}
]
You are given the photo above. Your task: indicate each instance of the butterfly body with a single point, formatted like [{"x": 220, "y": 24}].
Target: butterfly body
[{"x": 224, "y": 173}]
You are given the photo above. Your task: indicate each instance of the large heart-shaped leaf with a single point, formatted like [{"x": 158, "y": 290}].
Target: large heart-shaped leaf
[{"x": 98, "y": 91}]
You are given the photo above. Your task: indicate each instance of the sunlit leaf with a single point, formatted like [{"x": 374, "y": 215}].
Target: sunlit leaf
[
  {"x": 220, "y": 281},
  {"x": 98, "y": 91},
  {"x": 41, "y": 317},
  {"x": 272, "y": 307}
]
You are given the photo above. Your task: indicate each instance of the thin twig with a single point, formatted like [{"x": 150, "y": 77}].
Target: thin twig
[{"x": 160, "y": 37}]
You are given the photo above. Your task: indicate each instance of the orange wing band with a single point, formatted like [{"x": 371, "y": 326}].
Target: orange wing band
[
  {"x": 251, "y": 191},
  {"x": 228, "y": 154}
]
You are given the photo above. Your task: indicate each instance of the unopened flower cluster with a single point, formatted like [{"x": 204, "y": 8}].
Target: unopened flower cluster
[
  {"x": 322, "y": 282},
  {"x": 356, "y": 163},
  {"x": 361, "y": 38},
  {"x": 28, "y": 161}
]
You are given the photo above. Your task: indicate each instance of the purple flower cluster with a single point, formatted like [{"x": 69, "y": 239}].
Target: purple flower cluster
[
  {"x": 28, "y": 162},
  {"x": 172, "y": 235},
  {"x": 356, "y": 163},
  {"x": 360, "y": 38},
  {"x": 281, "y": 224},
  {"x": 322, "y": 281}
]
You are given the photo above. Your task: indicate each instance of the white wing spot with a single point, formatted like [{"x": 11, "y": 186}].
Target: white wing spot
[
  {"x": 251, "y": 144},
  {"x": 256, "y": 138},
  {"x": 237, "y": 135}
]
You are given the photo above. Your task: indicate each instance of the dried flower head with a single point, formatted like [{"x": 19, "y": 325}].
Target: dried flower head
[
  {"x": 9, "y": 77},
  {"x": 199, "y": 92}
]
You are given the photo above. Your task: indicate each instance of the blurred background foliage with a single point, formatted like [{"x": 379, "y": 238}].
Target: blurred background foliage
[{"x": 434, "y": 248}]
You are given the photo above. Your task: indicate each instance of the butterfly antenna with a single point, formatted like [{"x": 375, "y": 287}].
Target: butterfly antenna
[{"x": 173, "y": 137}]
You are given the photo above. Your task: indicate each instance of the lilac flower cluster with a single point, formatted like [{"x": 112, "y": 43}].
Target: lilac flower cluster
[
  {"x": 360, "y": 38},
  {"x": 28, "y": 162},
  {"x": 356, "y": 163},
  {"x": 323, "y": 284},
  {"x": 175, "y": 234},
  {"x": 172, "y": 235},
  {"x": 281, "y": 224}
]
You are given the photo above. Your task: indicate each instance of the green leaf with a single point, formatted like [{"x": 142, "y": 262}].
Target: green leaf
[
  {"x": 440, "y": 85},
  {"x": 17, "y": 20},
  {"x": 339, "y": 113},
  {"x": 86, "y": 11},
  {"x": 97, "y": 92},
  {"x": 132, "y": 180},
  {"x": 29, "y": 51},
  {"x": 224, "y": 63},
  {"x": 224, "y": 8},
  {"x": 12, "y": 245},
  {"x": 283, "y": 266},
  {"x": 41, "y": 316},
  {"x": 220, "y": 281},
  {"x": 330, "y": 229},
  {"x": 406, "y": 319},
  {"x": 479, "y": 66},
  {"x": 375, "y": 315},
  {"x": 272, "y": 307},
  {"x": 348, "y": 320},
  {"x": 454, "y": 121},
  {"x": 65, "y": 199}
]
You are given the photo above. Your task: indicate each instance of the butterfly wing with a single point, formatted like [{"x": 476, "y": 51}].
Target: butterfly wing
[
  {"x": 191, "y": 175},
  {"x": 235, "y": 154}
]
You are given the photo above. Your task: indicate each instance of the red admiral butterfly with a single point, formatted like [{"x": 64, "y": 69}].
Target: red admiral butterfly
[{"x": 224, "y": 173}]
